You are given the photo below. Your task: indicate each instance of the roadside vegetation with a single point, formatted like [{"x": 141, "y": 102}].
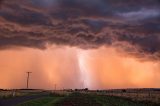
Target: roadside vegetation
[
  {"x": 8, "y": 94},
  {"x": 49, "y": 100},
  {"x": 45, "y": 101},
  {"x": 82, "y": 99},
  {"x": 120, "y": 101}
]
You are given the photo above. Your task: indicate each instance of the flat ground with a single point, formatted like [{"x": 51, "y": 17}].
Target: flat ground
[
  {"x": 81, "y": 99},
  {"x": 16, "y": 100}
]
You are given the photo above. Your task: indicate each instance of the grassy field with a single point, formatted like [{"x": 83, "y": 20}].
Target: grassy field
[
  {"x": 82, "y": 99},
  {"x": 85, "y": 98},
  {"x": 119, "y": 101},
  {"x": 78, "y": 99},
  {"x": 48, "y": 100},
  {"x": 6, "y": 94},
  {"x": 10, "y": 94},
  {"x": 142, "y": 95},
  {"x": 45, "y": 101}
]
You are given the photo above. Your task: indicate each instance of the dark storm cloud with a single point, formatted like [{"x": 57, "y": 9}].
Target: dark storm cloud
[
  {"x": 82, "y": 23},
  {"x": 149, "y": 44},
  {"x": 1, "y": 2}
]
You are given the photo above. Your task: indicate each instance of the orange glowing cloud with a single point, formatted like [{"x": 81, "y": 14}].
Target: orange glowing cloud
[
  {"x": 71, "y": 67},
  {"x": 110, "y": 69},
  {"x": 52, "y": 66}
]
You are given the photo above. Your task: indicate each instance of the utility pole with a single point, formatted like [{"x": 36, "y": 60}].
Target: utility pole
[
  {"x": 55, "y": 87},
  {"x": 83, "y": 85},
  {"x": 28, "y": 74}
]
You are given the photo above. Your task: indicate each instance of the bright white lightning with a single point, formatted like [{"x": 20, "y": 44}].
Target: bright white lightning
[{"x": 85, "y": 76}]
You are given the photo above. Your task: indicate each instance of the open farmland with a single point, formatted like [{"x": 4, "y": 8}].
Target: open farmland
[
  {"x": 149, "y": 95},
  {"x": 83, "y": 97},
  {"x": 86, "y": 99},
  {"x": 14, "y": 97},
  {"x": 6, "y": 94}
]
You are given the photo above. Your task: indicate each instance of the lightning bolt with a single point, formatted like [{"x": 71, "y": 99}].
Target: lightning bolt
[{"x": 85, "y": 76}]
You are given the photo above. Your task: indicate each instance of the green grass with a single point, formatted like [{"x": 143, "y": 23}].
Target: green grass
[
  {"x": 45, "y": 101},
  {"x": 77, "y": 99},
  {"x": 9, "y": 94},
  {"x": 118, "y": 101},
  {"x": 84, "y": 100}
]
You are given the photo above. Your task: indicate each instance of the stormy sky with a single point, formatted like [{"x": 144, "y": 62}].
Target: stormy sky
[{"x": 89, "y": 36}]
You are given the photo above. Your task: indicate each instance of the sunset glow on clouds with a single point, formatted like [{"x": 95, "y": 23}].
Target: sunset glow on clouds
[
  {"x": 97, "y": 44},
  {"x": 76, "y": 68}
]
